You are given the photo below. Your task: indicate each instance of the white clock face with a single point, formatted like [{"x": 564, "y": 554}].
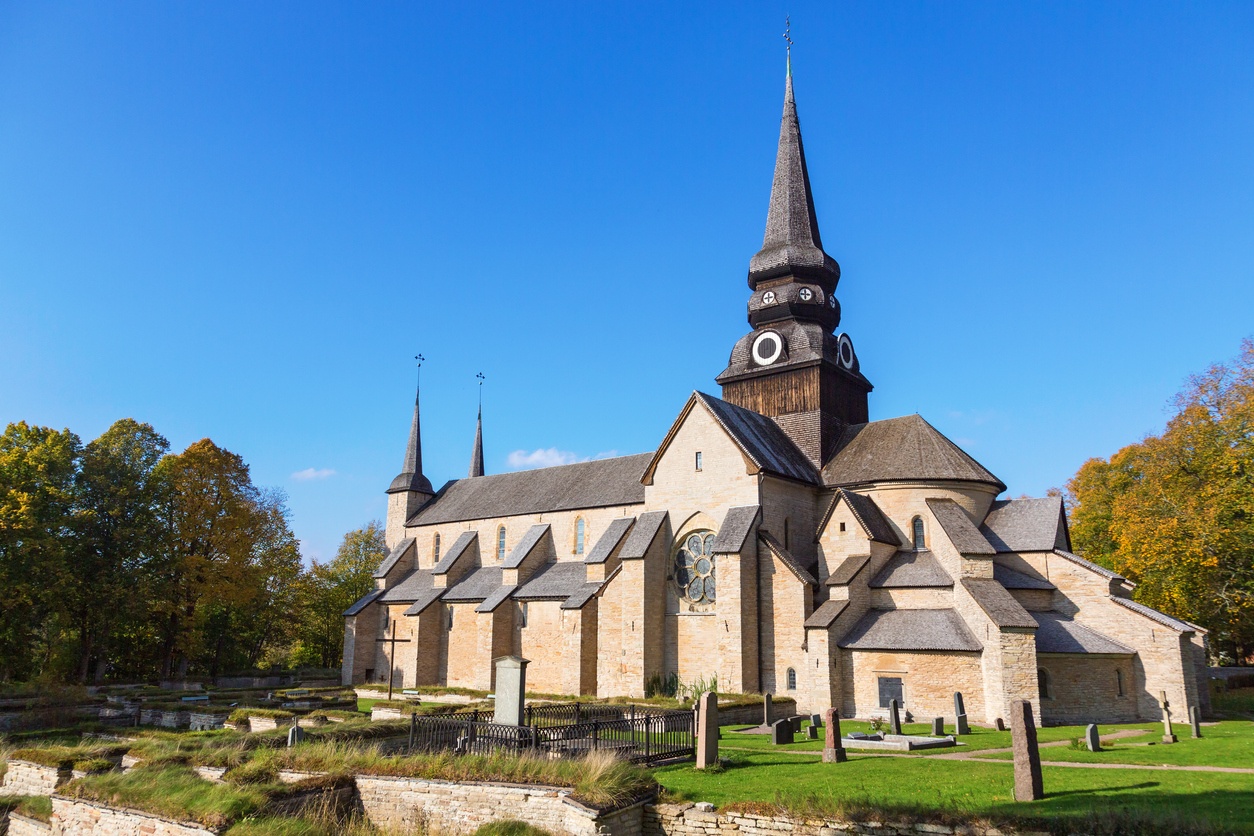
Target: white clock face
[
  {"x": 768, "y": 298},
  {"x": 806, "y": 294},
  {"x": 767, "y": 348}
]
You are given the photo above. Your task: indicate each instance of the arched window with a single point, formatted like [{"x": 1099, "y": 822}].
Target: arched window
[
  {"x": 1042, "y": 683},
  {"x": 522, "y": 613},
  {"x": 500, "y": 543},
  {"x": 579, "y": 531},
  {"x": 450, "y": 617},
  {"x": 435, "y": 547},
  {"x": 917, "y": 533},
  {"x": 792, "y": 680},
  {"x": 1119, "y": 681},
  {"x": 694, "y": 567}
]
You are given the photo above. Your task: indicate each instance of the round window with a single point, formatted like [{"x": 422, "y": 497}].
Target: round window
[{"x": 694, "y": 568}]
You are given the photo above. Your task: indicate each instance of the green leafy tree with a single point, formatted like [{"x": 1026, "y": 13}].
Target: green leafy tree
[{"x": 330, "y": 588}]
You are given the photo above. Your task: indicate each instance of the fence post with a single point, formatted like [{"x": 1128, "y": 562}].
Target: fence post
[
  {"x": 527, "y": 715},
  {"x": 578, "y": 713}
]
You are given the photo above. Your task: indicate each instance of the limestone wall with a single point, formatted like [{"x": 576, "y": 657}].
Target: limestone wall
[
  {"x": 19, "y": 825},
  {"x": 26, "y": 778},
  {"x": 929, "y": 680},
  {"x": 699, "y": 820},
  {"x": 1085, "y": 689},
  {"x": 86, "y": 818}
]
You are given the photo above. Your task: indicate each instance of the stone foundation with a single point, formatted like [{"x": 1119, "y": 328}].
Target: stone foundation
[
  {"x": 20, "y": 825},
  {"x": 88, "y": 818},
  {"x": 258, "y": 724},
  {"x": 26, "y": 778},
  {"x": 692, "y": 820}
]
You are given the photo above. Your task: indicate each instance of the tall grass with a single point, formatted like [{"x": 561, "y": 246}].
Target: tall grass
[{"x": 175, "y": 792}]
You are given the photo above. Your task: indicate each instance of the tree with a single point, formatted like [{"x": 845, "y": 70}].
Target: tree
[
  {"x": 330, "y": 588},
  {"x": 1175, "y": 513}
]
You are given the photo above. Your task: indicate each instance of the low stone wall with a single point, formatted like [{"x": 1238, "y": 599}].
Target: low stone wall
[
  {"x": 88, "y": 818},
  {"x": 206, "y": 722},
  {"x": 26, "y": 778},
  {"x": 751, "y": 715},
  {"x": 20, "y": 825},
  {"x": 413, "y": 803},
  {"x": 388, "y": 714},
  {"x": 701, "y": 820},
  {"x": 256, "y": 724},
  {"x": 165, "y": 719}
]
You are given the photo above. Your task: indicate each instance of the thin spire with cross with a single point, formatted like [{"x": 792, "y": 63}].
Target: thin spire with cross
[
  {"x": 481, "y": 378},
  {"x": 788, "y": 38},
  {"x": 476, "y": 454}
]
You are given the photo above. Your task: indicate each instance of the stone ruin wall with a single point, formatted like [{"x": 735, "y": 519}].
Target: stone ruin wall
[{"x": 26, "y": 778}]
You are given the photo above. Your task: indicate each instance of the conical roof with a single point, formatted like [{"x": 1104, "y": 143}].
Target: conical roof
[
  {"x": 410, "y": 478},
  {"x": 900, "y": 450},
  {"x": 476, "y": 455}
]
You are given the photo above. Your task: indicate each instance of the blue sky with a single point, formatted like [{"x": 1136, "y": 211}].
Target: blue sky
[{"x": 242, "y": 220}]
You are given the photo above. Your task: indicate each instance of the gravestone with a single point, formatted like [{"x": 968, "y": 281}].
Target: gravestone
[
  {"x": 1168, "y": 737},
  {"x": 894, "y": 717},
  {"x": 1195, "y": 720},
  {"x": 816, "y": 720},
  {"x": 1027, "y": 758},
  {"x": 1092, "y": 739},
  {"x": 960, "y": 712},
  {"x": 511, "y": 686},
  {"x": 938, "y": 727},
  {"x": 833, "y": 751},
  {"x": 768, "y": 711},
  {"x": 796, "y": 724},
  {"x": 707, "y": 730},
  {"x": 295, "y": 735},
  {"x": 812, "y": 732},
  {"x": 781, "y": 732},
  {"x": 1000, "y": 724}
]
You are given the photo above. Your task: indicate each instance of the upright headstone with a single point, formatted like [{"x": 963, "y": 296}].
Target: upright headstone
[
  {"x": 511, "y": 688},
  {"x": 707, "y": 730},
  {"x": 1000, "y": 724},
  {"x": 938, "y": 727},
  {"x": 1195, "y": 720},
  {"x": 1168, "y": 737},
  {"x": 796, "y": 724},
  {"x": 768, "y": 711},
  {"x": 812, "y": 732},
  {"x": 833, "y": 751},
  {"x": 1092, "y": 738},
  {"x": 816, "y": 720},
  {"x": 1027, "y": 758},
  {"x": 894, "y": 717},
  {"x": 960, "y": 715},
  {"x": 295, "y": 735},
  {"x": 781, "y": 732}
]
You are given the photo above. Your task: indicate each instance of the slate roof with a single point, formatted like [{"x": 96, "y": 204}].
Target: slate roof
[
  {"x": 614, "y": 534},
  {"x": 761, "y": 439},
  {"x": 642, "y": 534},
  {"x": 1151, "y": 613},
  {"x": 593, "y": 484},
  {"x": 786, "y": 557},
  {"x": 496, "y": 599},
  {"x": 554, "y": 580},
  {"x": 826, "y": 614},
  {"x": 737, "y": 523},
  {"x": 477, "y": 585},
  {"x": 582, "y": 596},
  {"x": 848, "y": 569},
  {"x": 394, "y": 557},
  {"x": 363, "y": 602},
  {"x": 525, "y": 545},
  {"x": 870, "y": 517},
  {"x": 958, "y": 527},
  {"x": 901, "y": 449},
  {"x": 910, "y": 630},
  {"x": 998, "y": 604},
  {"x": 455, "y": 551},
  {"x": 1026, "y": 525},
  {"x": 1012, "y": 579},
  {"x": 410, "y": 478},
  {"x": 1059, "y": 634},
  {"x": 1090, "y": 565},
  {"x": 410, "y": 587},
  {"x": 425, "y": 599},
  {"x": 911, "y": 569}
]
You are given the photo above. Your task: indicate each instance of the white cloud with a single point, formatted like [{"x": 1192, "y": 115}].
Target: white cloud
[
  {"x": 311, "y": 473},
  {"x": 522, "y": 460}
]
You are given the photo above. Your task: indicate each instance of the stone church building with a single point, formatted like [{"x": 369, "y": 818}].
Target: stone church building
[{"x": 777, "y": 539}]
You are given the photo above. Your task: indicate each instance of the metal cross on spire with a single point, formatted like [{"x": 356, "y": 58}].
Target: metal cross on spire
[
  {"x": 420, "y": 360},
  {"x": 788, "y": 38},
  {"x": 481, "y": 378}
]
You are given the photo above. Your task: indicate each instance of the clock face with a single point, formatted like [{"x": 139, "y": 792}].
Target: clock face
[
  {"x": 831, "y": 302},
  {"x": 767, "y": 348},
  {"x": 768, "y": 298},
  {"x": 806, "y": 294}
]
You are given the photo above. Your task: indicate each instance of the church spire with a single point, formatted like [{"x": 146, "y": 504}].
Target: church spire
[
  {"x": 476, "y": 455},
  {"x": 410, "y": 478}
]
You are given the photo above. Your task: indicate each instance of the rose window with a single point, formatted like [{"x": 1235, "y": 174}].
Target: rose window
[{"x": 694, "y": 568}]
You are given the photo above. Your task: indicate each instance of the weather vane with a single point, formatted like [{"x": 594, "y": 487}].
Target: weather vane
[
  {"x": 481, "y": 379},
  {"x": 419, "y": 358},
  {"x": 788, "y": 34}
]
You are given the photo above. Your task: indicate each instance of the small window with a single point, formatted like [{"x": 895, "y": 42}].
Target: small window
[
  {"x": 1042, "y": 684},
  {"x": 383, "y": 618},
  {"x": 435, "y": 547},
  {"x": 919, "y": 541},
  {"x": 1119, "y": 681},
  {"x": 522, "y": 614},
  {"x": 792, "y": 680},
  {"x": 698, "y": 461},
  {"x": 842, "y": 527},
  {"x": 500, "y": 543},
  {"x": 579, "y": 530}
]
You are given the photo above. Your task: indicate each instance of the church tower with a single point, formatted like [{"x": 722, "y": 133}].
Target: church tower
[
  {"x": 792, "y": 367},
  {"x": 410, "y": 489}
]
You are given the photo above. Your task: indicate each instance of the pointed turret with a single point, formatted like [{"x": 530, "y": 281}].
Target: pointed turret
[
  {"x": 476, "y": 455},
  {"x": 410, "y": 489}
]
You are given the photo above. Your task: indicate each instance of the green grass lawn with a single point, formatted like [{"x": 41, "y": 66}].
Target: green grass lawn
[
  {"x": 1230, "y": 743},
  {"x": 969, "y": 788}
]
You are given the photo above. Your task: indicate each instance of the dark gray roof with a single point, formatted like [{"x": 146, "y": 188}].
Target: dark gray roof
[
  {"x": 1059, "y": 634},
  {"x": 425, "y": 599},
  {"x": 761, "y": 439},
  {"x": 737, "y": 523},
  {"x": 455, "y": 551},
  {"x": 998, "y": 604},
  {"x": 869, "y": 516},
  {"x": 410, "y": 478},
  {"x": 642, "y": 534},
  {"x": 477, "y": 585},
  {"x": 496, "y": 599},
  {"x": 1012, "y": 579},
  {"x": 363, "y": 602},
  {"x": 410, "y": 588},
  {"x": 901, "y": 449},
  {"x": 525, "y": 544},
  {"x": 786, "y": 557},
  {"x": 1088, "y": 564},
  {"x": 826, "y": 614},
  {"x": 593, "y": 484},
  {"x": 1155, "y": 615},
  {"x": 555, "y": 580},
  {"x": 911, "y": 569},
  {"x": 582, "y": 596},
  {"x": 848, "y": 569},
  {"x": 911, "y": 630},
  {"x": 959, "y": 528},
  {"x": 1026, "y": 525},
  {"x": 476, "y": 454},
  {"x": 614, "y": 534},
  {"x": 394, "y": 557}
]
